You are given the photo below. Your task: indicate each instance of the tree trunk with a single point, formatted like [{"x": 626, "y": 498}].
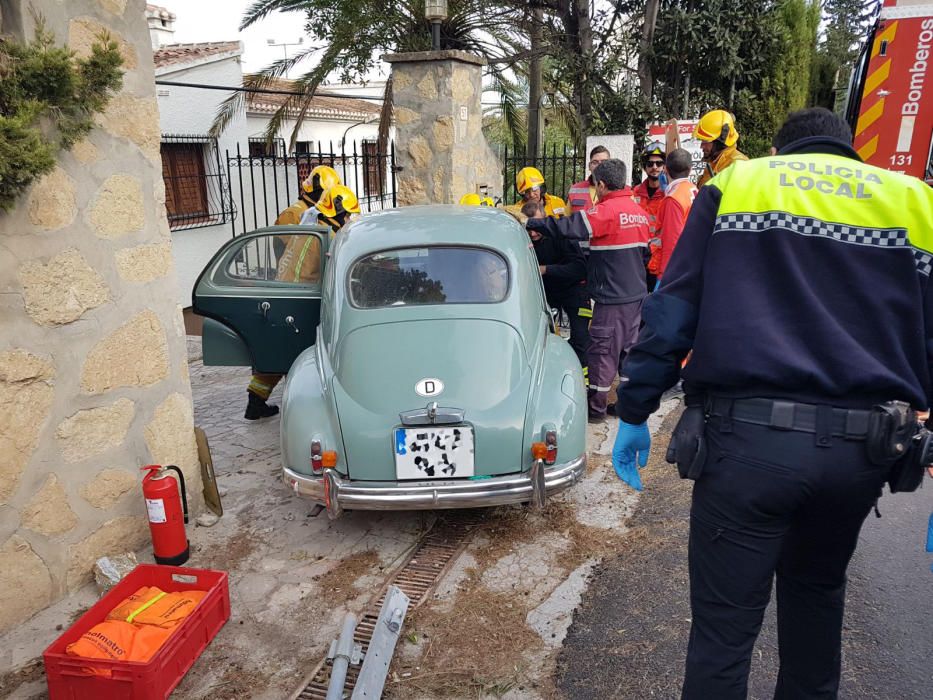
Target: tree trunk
[
  {"x": 534, "y": 86},
  {"x": 686, "y": 110},
  {"x": 585, "y": 33},
  {"x": 645, "y": 76}
]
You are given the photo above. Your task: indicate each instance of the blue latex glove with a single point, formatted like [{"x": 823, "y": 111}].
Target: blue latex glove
[{"x": 632, "y": 443}]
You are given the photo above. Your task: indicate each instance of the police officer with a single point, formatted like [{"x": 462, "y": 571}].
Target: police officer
[
  {"x": 563, "y": 270},
  {"x": 801, "y": 283}
]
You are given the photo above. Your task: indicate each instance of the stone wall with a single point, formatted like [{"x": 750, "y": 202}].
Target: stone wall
[
  {"x": 93, "y": 373},
  {"x": 440, "y": 146}
]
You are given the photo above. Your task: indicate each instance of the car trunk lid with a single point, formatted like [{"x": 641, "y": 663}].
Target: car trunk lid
[{"x": 481, "y": 365}]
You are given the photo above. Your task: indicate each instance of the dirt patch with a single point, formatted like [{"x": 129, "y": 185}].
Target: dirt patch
[
  {"x": 32, "y": 671},
  {"x": 236, "y": 682},
  {"x": 336, "y": 584},
  {"x": 477, "y": 651}
]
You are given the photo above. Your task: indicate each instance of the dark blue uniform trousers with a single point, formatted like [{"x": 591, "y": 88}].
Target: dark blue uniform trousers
[{"x": 772, "y": 505}]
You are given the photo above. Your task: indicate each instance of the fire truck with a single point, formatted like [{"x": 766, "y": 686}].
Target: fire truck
[{"x": 890, "y": 105}]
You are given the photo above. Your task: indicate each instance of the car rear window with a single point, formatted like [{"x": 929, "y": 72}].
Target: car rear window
[{"x": 429, "y": 275}]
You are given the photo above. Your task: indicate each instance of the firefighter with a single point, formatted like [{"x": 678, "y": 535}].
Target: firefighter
[
  {"x": 649, "y": 195},
  {"x": 319, "y": 179},
  {"x": 472, "y": 199},
  {"x": 530, "y": 185},
  {"x": 792, "y": 403},
  {"x": 336, "y": 207},
  {"x": 582, "y": 195},
  {"x": 617, "y": 229},
  {"x": 717, "y": 135},
  {"x": 300, "y": 262},
  {"x": 563, "y": 270}
]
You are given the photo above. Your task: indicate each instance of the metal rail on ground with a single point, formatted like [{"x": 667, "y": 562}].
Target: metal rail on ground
[{"x": 417, "y": 578}]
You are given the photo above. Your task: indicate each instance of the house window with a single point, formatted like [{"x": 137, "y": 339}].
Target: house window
[
  {"x": 196, "y": 192},
  {"x": 373, "y": 169},
  {"x": 259, "y": 147}
]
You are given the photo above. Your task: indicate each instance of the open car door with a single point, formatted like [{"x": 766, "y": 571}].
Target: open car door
[{"x": 261, "y": 297}]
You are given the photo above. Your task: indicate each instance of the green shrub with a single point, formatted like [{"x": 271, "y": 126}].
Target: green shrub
[{"x": 48, "y": 99}]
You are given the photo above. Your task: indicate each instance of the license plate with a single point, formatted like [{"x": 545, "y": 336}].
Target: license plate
[{"x": 433, "y": 453}]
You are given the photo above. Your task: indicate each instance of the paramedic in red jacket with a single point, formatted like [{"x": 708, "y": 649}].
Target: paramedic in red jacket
[{"x": 617, "y": 230}]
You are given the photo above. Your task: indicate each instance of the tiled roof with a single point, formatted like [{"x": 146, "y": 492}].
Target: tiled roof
[
  {"x": 322, "y": 104},
  {"x": 158, "y": 11},
  {"x": 175, "y": 54}
]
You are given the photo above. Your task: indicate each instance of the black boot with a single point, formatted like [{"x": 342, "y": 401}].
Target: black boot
[{"x": 258, "y": 408}]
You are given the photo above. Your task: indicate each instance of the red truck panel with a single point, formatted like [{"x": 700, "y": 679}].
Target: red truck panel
[{"x": 895, "y": 124}]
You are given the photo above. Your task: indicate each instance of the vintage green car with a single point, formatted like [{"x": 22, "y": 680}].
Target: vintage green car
[{"x": 423, "y": 367}]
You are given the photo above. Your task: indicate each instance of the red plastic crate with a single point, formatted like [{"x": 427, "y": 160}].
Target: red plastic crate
[{"x": 132, "y": 680}]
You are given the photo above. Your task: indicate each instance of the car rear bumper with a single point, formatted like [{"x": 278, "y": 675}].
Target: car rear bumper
[{"x": 338, "y": 494}]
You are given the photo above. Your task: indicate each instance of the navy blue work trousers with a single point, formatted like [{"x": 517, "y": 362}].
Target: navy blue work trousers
[{"x": 771, "y": 506}]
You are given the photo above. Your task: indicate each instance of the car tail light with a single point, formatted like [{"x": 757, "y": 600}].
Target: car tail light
[
  {"x": 550, "y": 442},
  {"x": 329, "y": 459},
  {"x": 317, "y": 457},
  {"x": 538, "y": 450}
]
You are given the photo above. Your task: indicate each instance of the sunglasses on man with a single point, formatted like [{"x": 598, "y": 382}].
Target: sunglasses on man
[{"x": 655, "y": 164}]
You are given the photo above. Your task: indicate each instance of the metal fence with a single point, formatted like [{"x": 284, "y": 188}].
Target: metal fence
[
  {"x": 263, "y": 184},
  {"x": 560, "y": 166},
  {"x": 197, "y": 190}
]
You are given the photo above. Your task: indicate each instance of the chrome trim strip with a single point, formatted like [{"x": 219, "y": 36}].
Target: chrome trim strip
[{"x": 394, "y": 495}]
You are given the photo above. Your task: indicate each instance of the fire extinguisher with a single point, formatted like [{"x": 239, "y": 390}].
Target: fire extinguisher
[{"x": 168, "y": 514}]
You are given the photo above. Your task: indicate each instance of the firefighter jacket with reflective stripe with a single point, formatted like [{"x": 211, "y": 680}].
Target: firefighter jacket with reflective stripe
[
  {"x": 582, "y": 196},
  {"x": 617, "y": 230},
  {"x": 726, "y": 157},
  {"x": 553, "y": 206},
  {"x": 651, "y": 203},
  {"x": 803, "y": 276},
  {"x": 292, "y": 215},
  {"x": 678, "y": 200}
]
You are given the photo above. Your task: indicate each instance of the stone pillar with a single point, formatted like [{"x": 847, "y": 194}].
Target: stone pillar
[
  {"x": 93, "y": 365},
  {"x": 440, "y": 148}
]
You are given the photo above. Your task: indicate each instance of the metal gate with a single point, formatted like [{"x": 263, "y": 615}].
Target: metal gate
[
  {"x": 264, "y": 181},
  {"x": 561, "y": 167}
]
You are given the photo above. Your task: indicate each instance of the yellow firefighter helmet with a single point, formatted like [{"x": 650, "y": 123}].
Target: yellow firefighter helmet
[
  {"x": 323, "y": 176},
  {"x": 528, "y": 178},
  {"x": 717, "y": 125},
  {"x": 471, "y": 199},
  {"x": 338, "y": 199}
]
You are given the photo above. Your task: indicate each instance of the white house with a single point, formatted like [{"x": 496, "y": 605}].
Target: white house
[{"x": 220, "y": 187}]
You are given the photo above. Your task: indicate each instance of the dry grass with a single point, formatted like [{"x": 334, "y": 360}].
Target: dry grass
[{"x": 478, "y": 649}]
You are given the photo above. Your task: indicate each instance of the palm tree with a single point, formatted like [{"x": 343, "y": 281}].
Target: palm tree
[{"x": 351, "y": 35}]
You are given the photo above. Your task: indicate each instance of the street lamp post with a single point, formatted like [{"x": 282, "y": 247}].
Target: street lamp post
[
  {"x": 285, "y": 45},
  {"x": 435, "y": 11}
]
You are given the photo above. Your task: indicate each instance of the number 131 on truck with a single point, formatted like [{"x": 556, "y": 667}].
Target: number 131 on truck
[{"x": 890, "y": 105}]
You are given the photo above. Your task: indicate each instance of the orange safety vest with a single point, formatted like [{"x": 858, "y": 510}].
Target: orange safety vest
[
  {"x": 683, "y": 192},
  {"x": 652, "y": 207}
]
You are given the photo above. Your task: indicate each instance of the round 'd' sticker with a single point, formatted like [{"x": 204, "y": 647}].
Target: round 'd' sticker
[{"x": 429, "y": 387}]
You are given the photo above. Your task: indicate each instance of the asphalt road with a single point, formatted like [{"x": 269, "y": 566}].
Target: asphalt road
[{"x": 629, "y": 634}]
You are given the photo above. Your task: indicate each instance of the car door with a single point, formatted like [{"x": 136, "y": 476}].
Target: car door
[{"x": 261, "y": 297}]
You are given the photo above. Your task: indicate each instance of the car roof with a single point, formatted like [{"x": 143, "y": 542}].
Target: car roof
[{"x": 437, "y": 224}]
